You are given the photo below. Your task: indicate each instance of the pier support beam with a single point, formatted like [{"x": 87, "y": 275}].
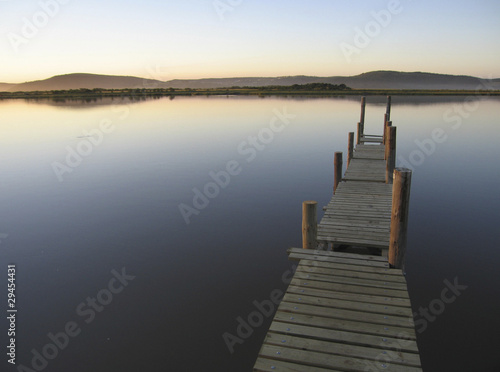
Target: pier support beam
[
  {"x": 360, "y": 133},
  {"x": 388, "y": 109},
  {"x": 337, "y": 170},
  {"x": 387, "y": 124},
  {"x": 350, "y": 147},
  {"x": 309, "y": 224},
  {"x": 363, "y": 110},
  {"x": 399, "y": 217},
  {"x": 390, "y": 153}
]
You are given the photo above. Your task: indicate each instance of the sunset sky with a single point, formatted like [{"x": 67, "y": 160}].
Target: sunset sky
[{"x": 179, "y": 39}]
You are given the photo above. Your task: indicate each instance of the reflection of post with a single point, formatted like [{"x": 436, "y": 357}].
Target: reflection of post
[
  {"x": 350, "y": 147},
  {"x": 309, "y": 224},
  {"x": 399, "y": 217},
  {"x": 388, "y": 109},
  {"x": 390, "y": 153},
  {"x": 337, "y": 170}
]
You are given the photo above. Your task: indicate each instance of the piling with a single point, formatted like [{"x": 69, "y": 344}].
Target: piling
[
  {"x": 338, "y": 162},
  {"x": 363, "y": 110},
  {"x": 387, "y": 124},
  {"x": 390, "y": 153},
  {"x": 388, "y": 109},
  {"x": 309, "y": 224},
  {"x": 350, "y": 147},
  {"x": 399, "y": 217}
]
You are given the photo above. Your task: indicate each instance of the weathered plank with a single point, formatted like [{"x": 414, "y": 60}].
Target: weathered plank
[
  {"x": 335, "y": 255},
  {"x": 341, "y": 319},
  {"x": 344, "y": 337},
  {"x": 337, "y": 348},
  {"x": 359, "y": 214}
]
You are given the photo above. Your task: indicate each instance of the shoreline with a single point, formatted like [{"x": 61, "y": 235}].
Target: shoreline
[{"x": 260, "y": 91}]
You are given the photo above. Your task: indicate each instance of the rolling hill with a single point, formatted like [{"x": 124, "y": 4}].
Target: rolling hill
[{"x": 369, "y": 80}]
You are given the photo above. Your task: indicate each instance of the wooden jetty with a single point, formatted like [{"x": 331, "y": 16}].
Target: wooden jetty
[{"x": 349, "y": 311}]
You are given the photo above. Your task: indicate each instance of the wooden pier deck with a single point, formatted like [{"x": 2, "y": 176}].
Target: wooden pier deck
[
  {"x": 344, "y": 311},
  {"x": 359, "y": 214}
]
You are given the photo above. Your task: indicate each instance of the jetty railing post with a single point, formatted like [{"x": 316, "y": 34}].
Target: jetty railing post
[
  {"x": 337, "y": 170},
  {"x": 350, "y": 147},
  {"x": 360, "y": 133},
  {"x": 363, "y": 110},
  {"x": 386, "y": 121},
  {"x": 399, "y": 217},
  {"x": 309, "y": 224},
  {"x": 390, "y": 154},
  {"x": 386, "y": 125},
  {"x": 388, "y": 109}
]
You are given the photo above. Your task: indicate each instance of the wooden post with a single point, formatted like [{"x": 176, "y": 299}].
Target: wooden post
[
  {"x": 309, "y": 224},
  {"x": 388, "y": 109},
  {"x": 390, "y": 153},
  {"x": 387, "y": 124},
  {"x": 399, "y": 217},
  {"x": 363, "y": 109},
  {"x": 350, "y": 148},
  {"x": 360, "y": 133},
  {"x": 337, "y": 170},
  {"x": 385, "y": 127}
]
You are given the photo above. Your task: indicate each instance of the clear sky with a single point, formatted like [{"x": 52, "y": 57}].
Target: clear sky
[{"x": 170, "y": 39}]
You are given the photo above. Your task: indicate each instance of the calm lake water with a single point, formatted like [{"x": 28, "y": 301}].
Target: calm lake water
[{"x": 107, "y": 224}]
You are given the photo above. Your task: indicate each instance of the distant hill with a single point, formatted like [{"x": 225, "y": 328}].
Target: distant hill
[
  {"x": 369, "y": 80},
  {"x": 76, "y": 81},
  {"x": 4, "y": 87},
  {"x": 419, "y": 80}
]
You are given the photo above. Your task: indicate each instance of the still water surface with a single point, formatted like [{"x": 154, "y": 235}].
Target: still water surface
[{"x": 117, "y": 208}]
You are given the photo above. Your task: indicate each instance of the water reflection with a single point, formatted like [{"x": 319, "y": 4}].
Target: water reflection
[
  {"x": 120, "y": 208},
  {"x": 141, "y": 97}
]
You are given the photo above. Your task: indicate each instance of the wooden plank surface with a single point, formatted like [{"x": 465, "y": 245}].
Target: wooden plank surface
[
  {"x": 359, "y": 214},
  {"x": 363, "y": 151},
  {"x": 335, "y": 316}
]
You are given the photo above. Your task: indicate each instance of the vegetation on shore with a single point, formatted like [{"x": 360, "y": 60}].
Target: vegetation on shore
[{"x": 308, "y": 90}]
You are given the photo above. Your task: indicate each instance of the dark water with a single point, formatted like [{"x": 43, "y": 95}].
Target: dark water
[{"x": 113, "y": 224}]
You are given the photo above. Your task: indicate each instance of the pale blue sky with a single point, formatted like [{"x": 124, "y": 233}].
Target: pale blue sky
[{"x": 190, "y": 39}]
